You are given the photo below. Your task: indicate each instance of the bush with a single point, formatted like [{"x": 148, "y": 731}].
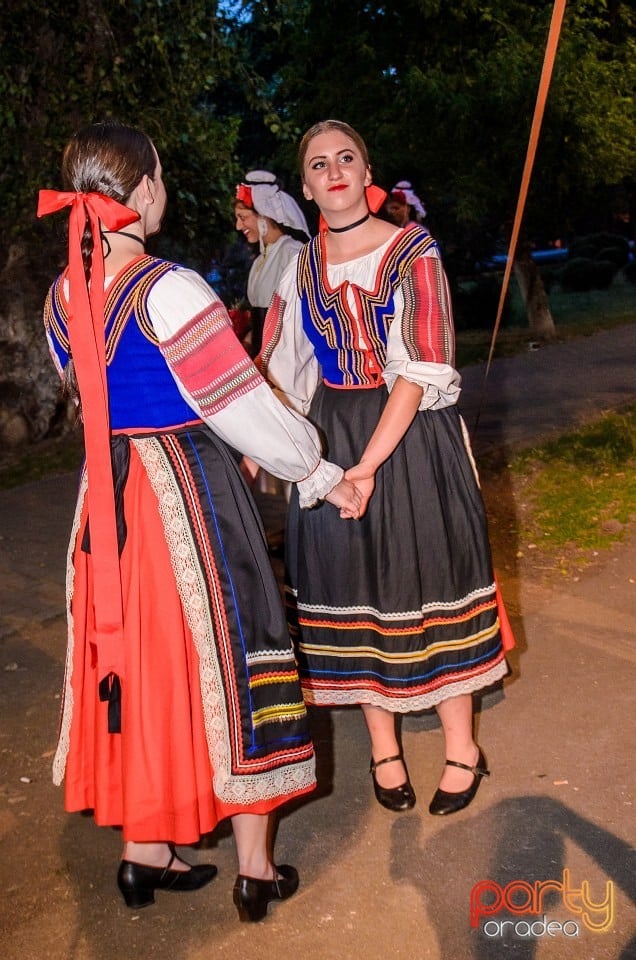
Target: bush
[
  {"x": 549, "y": 276},
  {"x": 582, "y": 249},
  {"x": 475, "y": 303},
  {"x": 629, "y": 272},
  {"x": 577, "y": 274},
  {"x": 603, "y": 272},
  {"x": 618, "y": 255},
  {"x": 584, "y": 273},
  {"x": 595, "y": 245}
]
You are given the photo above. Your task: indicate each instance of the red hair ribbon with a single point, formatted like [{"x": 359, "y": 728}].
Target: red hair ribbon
[
  {"x": 398, "y": 195},
  {"x": 375, "y": 198},
  {"x": 244, "y": 194},
  {"x": 88, "y": 348}
]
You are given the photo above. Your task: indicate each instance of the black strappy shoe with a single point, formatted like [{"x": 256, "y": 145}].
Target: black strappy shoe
[
  {"x": 393, "y": 798},
  {"x": 444, "y": 802},
  {"x": 252, "y": 896},
  {"x": 138, "y": 881}
]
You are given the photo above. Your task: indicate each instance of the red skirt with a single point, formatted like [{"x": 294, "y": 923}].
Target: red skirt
[{"x": 155, "y": 778}]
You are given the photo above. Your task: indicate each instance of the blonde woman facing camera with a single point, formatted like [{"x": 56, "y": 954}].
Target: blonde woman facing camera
[{"x": 398, "y": 612}]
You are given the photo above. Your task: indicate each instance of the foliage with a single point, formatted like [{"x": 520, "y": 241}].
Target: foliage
[
  {"x": 475, "y": 302},
  {"x": 444, "y": 95},
  {"x": 153, "y": 64},
  {"x": 598, "y": 245},
  {"x": 583, "y": 273}
]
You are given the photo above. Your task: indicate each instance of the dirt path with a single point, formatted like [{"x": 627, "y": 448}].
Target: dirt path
[{"x": 559, "y": 740}]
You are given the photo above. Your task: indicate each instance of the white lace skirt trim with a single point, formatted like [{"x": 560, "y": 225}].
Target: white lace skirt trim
[
  {"x": 191, "y": 585},
  {"x": 61, "y": 753},
  {"x": 344, "y": 698}
]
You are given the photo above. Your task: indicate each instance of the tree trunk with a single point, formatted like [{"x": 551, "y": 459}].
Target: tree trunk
[
  {"x": 540, "y": 318},
  {"x": 31, "y": 407}
]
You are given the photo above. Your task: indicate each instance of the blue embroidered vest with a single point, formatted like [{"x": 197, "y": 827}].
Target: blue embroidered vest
[
  {"x": 335, "y": 330},
  {"x": 141, "y": 390}
]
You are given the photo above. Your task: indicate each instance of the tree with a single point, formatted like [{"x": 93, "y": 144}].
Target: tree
[
  {"x": 154, "y": 64},
  {"x": 444, "y": 94}
]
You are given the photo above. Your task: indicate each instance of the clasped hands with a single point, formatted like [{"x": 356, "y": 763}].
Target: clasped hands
[
  {"x": 354, "y": 491},
  {"x": 351, "y": 496}
]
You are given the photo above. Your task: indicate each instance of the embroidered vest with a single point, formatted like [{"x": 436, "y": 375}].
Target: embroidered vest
[
  {"x": 142, "y": 393},
  {"x": 335, "y": 330}
]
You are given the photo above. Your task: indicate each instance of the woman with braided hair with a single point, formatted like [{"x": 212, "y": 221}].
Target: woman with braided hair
[{"x": 182, "y": 705}]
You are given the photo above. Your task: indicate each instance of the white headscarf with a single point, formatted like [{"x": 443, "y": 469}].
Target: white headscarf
[
  {"x": 411, "y": 198},
  {"x": 270, "y": 201}
]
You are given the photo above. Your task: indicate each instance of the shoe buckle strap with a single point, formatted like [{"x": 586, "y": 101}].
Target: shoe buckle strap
[
  {"x": 476, "y": 771},
  {"x": 375, "y": 764}
]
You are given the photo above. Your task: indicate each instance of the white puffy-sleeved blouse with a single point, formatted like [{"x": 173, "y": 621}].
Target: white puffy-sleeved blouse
[
  {"x": 183, "y": 308},
  {"x": 363, "y": 322}
]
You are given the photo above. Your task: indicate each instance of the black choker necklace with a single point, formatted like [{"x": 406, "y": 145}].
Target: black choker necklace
[
  {"x": 351, "y": 226},
  {"x": 122, "y": 233}
]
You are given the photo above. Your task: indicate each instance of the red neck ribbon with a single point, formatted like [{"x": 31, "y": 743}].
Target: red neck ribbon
[
  {"x": 375, "y": 198},
  {"x": 86, "y": 331}
]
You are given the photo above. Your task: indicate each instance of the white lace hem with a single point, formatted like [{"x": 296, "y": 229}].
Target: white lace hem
[{"x": 346, "y": 698}]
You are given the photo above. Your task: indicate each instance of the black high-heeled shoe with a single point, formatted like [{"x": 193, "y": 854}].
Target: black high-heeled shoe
[
  {"x": 138, "y": 882},
  {"x": 444, "y": 802},
  {"x": 393, "y": 798},
  {"x": 251, "y": 896}
]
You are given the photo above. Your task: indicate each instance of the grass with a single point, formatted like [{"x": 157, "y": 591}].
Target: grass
[
  {"x": 575, "y": 315},
  {"x": 580, "y": 490}
]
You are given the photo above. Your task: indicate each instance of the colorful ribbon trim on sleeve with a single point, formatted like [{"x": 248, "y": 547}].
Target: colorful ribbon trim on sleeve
[{"x": 86, "y": 330}]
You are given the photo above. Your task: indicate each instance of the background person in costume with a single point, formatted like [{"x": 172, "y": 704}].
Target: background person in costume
[
  {"x": 403, "y": 206},
  {"x": 181, "y": 702},
  {"x": 267, "y": 215},
  {"x": 398, "y": 612}
]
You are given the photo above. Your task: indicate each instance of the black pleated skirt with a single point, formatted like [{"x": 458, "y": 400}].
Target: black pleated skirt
[{"x": 398, "y": 609}]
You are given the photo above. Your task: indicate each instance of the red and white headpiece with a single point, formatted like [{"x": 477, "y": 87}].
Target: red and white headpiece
[
  {"x": 403, "y": 191},
  {"x": 260, "y": 191}
]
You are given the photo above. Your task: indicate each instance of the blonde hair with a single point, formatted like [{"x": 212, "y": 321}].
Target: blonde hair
[{"x": 326, "y": 126}]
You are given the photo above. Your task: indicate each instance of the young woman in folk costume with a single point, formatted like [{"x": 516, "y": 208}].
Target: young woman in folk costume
[
  {"x": 398, "y": 612},
  {"x": 267, "y": 215},
  {"x": 181, "y": 704}
]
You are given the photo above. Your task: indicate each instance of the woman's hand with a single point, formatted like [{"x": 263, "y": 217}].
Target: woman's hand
[
  {"x": 345, "y": 496},
  {"x": 395, "y": 420},
  {"x": 363, "y": 476}
]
